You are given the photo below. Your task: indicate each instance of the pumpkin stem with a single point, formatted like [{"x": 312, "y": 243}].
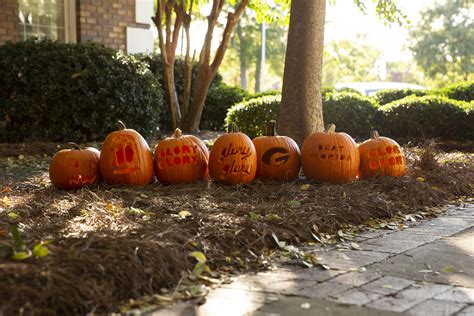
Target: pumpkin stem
[
  {"x": 271, "y": 128},
  {"x": 177, "y": 133},
  {"x": 331, "y": 128},
  {"x": 121, "y": 125},
  {"x": 374, "y": 134},
  {"x": 232, "y": 128},
  {"x": 74, "y": 145}
]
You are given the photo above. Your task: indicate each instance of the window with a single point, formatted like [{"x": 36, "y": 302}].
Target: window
[{"x": 52, "y": 19}]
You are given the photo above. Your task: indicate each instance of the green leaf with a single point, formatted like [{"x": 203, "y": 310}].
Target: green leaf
[
  {"x": 294, "y": 203},
  {"x": 19, "y": 244},
  {"x": 199, "y": 256},
  {"x": 40, "y": 250},
  {"x": 13, "y": 215},
  {"x": 21, "y": 255},
  {"x": 200, "y": 268},
  {"x": 255, "y": 216}
]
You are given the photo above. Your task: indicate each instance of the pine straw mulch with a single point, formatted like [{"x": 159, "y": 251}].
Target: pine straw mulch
[{"x": 110, "y": 245}]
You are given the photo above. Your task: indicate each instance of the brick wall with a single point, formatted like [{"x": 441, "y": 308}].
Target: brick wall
[
  {"x": 106, "y": 21},
  {"x": 9, "y": 25}
]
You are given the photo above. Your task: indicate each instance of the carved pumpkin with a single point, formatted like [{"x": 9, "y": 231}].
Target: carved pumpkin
[
  {"x": 330, "y": 156},
  {"x": 181, "y": 159},
  {"x": 126, "y": 158},
  {"x": 381, "y": 156},
  {"x": 233, "y": 158},
  {"x": 75, "y": 168},
  {"x": 278, "y": 157}
]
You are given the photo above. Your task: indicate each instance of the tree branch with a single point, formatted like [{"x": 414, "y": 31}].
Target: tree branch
[{"x": 232, "y": 20}]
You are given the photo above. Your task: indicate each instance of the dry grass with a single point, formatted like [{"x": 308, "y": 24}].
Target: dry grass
[{"x": 110, "y": 244}]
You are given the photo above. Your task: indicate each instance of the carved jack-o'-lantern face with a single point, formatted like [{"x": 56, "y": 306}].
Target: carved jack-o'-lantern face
[
  {"x": 330, "y": 156},
  {"x": 126, "y": 158},
  {"x": 278, "y": 157},
  {"x": 181, "y": 159},
  {"x": 83, "y": 172},
  {"x": 381, "y": 156},
  {"x": 75, "y": 168},
  {"x": 233, "y": 158}
]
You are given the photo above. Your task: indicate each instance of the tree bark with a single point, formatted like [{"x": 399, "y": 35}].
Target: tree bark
[
  {"x": 206, "y": 70},
  {"x": 301, "y": 106}
]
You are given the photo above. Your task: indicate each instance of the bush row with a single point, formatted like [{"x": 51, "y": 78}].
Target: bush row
[
  {"x": 59, "y": 92},
  {"x": 426, "y": 116}
]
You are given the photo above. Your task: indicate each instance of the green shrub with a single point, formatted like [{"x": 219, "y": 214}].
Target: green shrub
[
  {"x": 427, "y": 117},
  {"x": 386, "y": 96},
  {"x": 462, "y": 91},
  {"x": 352, "y": 113},
  {"x": 56, "y": 91},
  {"x": 251, "y": 116},
  {"x": 220, "y": 99}
]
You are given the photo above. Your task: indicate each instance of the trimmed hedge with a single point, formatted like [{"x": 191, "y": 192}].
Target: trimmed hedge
[
  {"x": 220, "y": 99},
  {"x": 462, "y": 91},
  {"x": 251, "y": 116},
  {"x": 60, "y": 92},
  {"x": 352, "y": 113},
  {"x": 386, "y": 96},
  {"x": 426, "y": 116}
]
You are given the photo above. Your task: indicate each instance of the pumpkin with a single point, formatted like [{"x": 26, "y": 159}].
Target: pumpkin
[
  {"x": 126, "y": 158},
  {"x": 278, "y": 157},
  {"x": 233, "y": 158},
  {"x": 381, "y": 156},
  {"x": 181, "y": 159},
  {"x": 75, "y": 168},
  {"x": 330, "y": 156}
]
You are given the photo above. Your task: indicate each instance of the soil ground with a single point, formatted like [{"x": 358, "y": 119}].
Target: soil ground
[{"x": 113, "y": 248}]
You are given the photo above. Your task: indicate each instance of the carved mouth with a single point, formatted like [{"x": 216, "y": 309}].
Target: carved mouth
[{"x": 82, "y": 179}]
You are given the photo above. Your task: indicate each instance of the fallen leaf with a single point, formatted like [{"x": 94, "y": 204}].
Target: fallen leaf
[
  {"x": 184, "y": 214},
  {"x": 294, "y": 203},
  {"x": 305, "y": 187},
  {"x": 13, "y": 215},
  {"x": 255, "y": 216},
  {"x": 305, "y": 306},
  {"x": 354, "y": 245},
  {"x": 420, "y": 179},
  {"x": 6, "y": 201},
  {"x": 21, "y": 157},
  {"x": 199, "y": 256}
]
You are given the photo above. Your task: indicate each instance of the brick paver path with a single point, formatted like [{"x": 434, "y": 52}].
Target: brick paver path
[{"x": 427, "y": 269}]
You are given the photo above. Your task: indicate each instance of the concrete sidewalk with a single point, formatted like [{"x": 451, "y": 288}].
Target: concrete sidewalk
[{"x": 427, "y": 269}]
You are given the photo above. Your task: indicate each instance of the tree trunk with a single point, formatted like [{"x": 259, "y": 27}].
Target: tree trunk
[
  {"x": 242, "y": 57},
  {"x": 258, "y": 69},
  {"x": 301, "y": 106}
]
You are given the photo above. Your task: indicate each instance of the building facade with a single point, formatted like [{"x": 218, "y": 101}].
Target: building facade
[{"x": 119, "y": 24}]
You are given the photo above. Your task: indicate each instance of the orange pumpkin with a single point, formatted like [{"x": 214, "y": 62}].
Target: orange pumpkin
[
  {"x": 278, "y": 157},
  {"x": 126, "y": 158},
  {"x": 181, "y": 159},
  {"x": 233, "y": 158},
  {"x": 330, "y": 156},
  {"x": 75, "y": 168},
  {"x": 381, "y": 156}
]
